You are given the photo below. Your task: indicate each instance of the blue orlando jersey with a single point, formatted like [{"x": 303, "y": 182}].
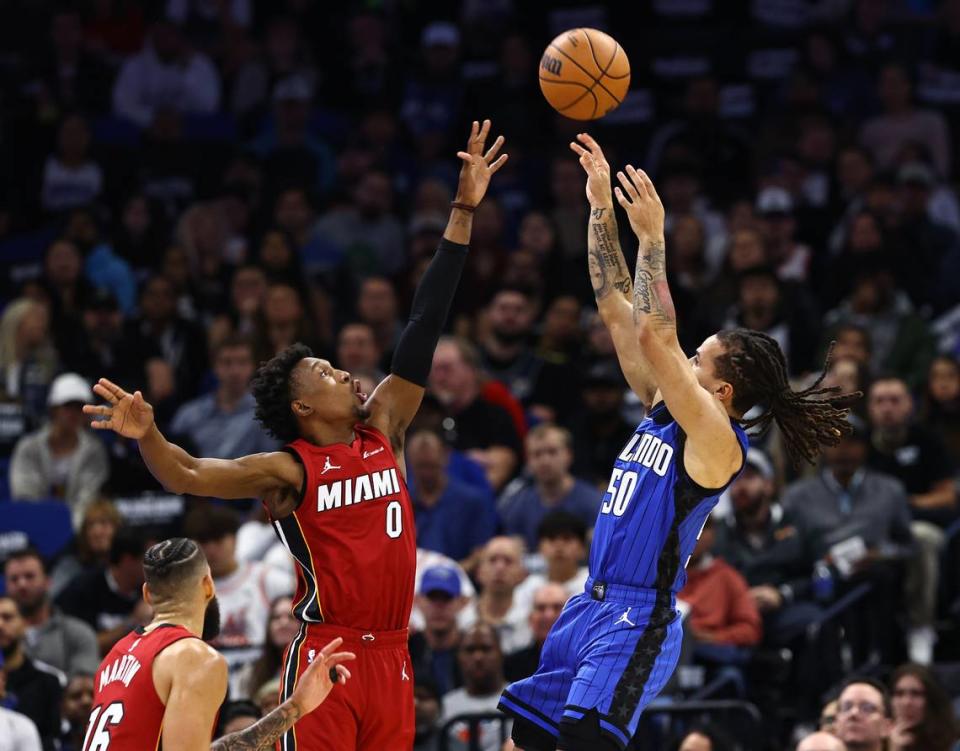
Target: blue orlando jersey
[{"x": 652, "y": 512}]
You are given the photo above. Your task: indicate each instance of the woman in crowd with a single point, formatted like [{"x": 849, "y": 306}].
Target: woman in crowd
[
  {"x": 91, "y": 546},
  {"x": 281, "y": 628},
  {"x": 922, "y": 713}
]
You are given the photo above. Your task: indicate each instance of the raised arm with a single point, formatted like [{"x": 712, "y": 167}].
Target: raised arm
[
  {"x": 255, "y": 476},
  {"x": 712, "y": 453},
  {"x": 397, "y": 398},
  {"x": 609, "y": 273}
]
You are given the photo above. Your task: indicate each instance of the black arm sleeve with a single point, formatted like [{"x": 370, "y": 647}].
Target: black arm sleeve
[{"x": 428, "y": 313}]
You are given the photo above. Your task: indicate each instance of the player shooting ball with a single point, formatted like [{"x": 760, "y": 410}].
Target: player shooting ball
[{"x": 337, "y": 494}]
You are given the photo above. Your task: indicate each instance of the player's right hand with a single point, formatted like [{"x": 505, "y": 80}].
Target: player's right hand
[
  {"x": 595, "y": 165},
  {"x": 315, "y": 684},
  {"x": 127, "y": 414}
]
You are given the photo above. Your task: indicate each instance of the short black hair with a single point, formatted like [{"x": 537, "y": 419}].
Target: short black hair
[
  {"x": 562, "y": 524},
  {"x": 873, "y": 683},
  {"x": 271, "y": 387},
  {"x": 719, "y": 740},
  {"x": 24, "y": 553},
  {"x": 233, "y": 341},
  {"x": 210, "y": 522},
  {"x": 126, "y": 542},
  {"x": 231, "y": 710},
  {"x": 170, "y": 564}
]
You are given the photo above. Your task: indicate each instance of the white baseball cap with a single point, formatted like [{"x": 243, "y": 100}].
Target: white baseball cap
[{"x": 69, "y": 387}]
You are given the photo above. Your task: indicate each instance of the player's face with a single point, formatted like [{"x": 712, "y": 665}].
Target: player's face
[
  {"x": 327, "y": 392},
  {"x": 703, "y": 363},
  {"x": 860, "y": 718}
]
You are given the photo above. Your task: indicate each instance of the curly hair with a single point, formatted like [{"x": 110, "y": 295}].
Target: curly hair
[
  {"x": 754, "y": 364},
  {"x": 271, "y": 390}
]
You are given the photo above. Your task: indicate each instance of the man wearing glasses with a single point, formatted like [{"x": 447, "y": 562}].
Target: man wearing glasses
[{"x": 864, "y": 715}]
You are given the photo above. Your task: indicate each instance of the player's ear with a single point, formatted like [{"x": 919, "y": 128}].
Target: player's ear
[
  {"x": 724, "y": 392},
  {"x": 147, "y": 597},
  {"x": 300, "y": 409}
]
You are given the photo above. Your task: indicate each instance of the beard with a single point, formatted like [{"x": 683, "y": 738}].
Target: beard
[
  {"x": 8, "y": 650},
  {"x": 509, "y": 338},
  {"x": 211, "y": 620},
  {"x": 29, "y": 608}
]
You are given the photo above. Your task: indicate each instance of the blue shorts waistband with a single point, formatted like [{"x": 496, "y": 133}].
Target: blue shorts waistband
[{"x": 636, "y": 596}]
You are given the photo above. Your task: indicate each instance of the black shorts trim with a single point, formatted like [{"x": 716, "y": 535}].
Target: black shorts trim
[
  {"x": 532, "y": 710},
  {"x": 530, "y": 736},
  {"x": 586, "y": 734}
]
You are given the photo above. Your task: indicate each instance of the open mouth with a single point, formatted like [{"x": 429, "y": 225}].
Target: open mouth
[{"x": 358, "y": 393}]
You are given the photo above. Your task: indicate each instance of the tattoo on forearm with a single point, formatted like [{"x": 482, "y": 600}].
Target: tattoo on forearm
[
  {"x": 608, "y": 270},
  {"x": 651, "y": 293},
  {"x": 261, "y": 735}
]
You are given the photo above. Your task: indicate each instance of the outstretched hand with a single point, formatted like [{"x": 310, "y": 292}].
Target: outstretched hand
[
  {"x": 130, "y": 415},
  {"x": 478, "y": 165},
  {"x": 317, "y": 681},
  {"x": 640, "y": 200},
  {"x": 595, "y": 165}
]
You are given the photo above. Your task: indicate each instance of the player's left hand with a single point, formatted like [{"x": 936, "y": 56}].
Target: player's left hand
[
  {"x": 639, "y": 199},
  {"x": 479, "y": 165},
  {"x": 315, "y": 684}
]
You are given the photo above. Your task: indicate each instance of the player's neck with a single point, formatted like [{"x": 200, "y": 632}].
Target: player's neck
[
  {"x": 192, "y": 622},
  {"x": 325, "y": 433}
]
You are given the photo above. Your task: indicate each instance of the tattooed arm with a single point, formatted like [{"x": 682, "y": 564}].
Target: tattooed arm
[
  {"x": 609, "y": 273},
  {"x": 711, "y": 453},
  {"x": 191, "y": 679}
]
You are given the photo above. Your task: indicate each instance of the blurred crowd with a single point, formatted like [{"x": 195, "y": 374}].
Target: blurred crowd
[{"x": 189, "y": 186}]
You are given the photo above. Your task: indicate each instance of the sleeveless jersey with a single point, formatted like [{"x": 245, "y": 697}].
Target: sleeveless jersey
[
  {"x": 353, "y": 535},
  {"x": 652, "y": 512},
  {"x": 127, "y": 714}
]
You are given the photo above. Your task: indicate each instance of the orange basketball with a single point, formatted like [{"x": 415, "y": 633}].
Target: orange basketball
[{"x": 584, "y": 74}]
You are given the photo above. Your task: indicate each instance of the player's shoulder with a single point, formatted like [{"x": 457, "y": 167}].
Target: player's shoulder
[{"x": 193, "y": 651}]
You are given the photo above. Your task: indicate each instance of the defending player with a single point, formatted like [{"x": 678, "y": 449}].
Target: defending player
[
  {"x": 162, "y": 685},
  {"x": 337, "y": 494},
  {"x": 615, "y": 646}
]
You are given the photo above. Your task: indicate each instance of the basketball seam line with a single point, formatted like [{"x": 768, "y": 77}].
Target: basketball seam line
[
  {"x": 612, "y": 96},
  {"x": 603, "y": 72}
]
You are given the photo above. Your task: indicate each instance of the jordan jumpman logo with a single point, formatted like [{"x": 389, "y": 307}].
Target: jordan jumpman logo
[
  {"x": 403, "y": 672},
  {"x": 327, "y": 466},
  {"x": 623, "y": 618}
]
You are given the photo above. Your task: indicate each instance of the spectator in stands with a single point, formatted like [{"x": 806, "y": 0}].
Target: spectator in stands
[
  {"x": 109, "y": 599},
  {"x": 75, "y": 712},
  {"x": 427, "y": 708},
  {"x": 900, "y": 340},
  {"x": 286, "y": 319},
  {"x": 481, "y": 663},
  {"x": 507, "y": 354},
  {"x": 548, "y": 602},
  {"x": 483, "y": 430},
  {"x": 790, "y": 259},
  {"x": 828, "y": 717},
  {"x": 864, "y": 715},
  {"x": 70, "y": 177},
  {"x": 433, "y": 650},
  {"x": 722, "y": 612},
  {"x": 90, "y": 548},
  {"x": 903, "y": 122},
  {"x": 847, "y": 500},
  {"x": 222, "y": 424},
  {"x": 19, "y": 730},
  {"x": 59, "y": 640},
  {"x": 499, "y": 574},
  {"x": 821, "y": 742},
  {"x": 244, "y": 590},
  {"x": 941, "y": 406},
  {"x": 922, "y": 713},
  {"x": 771, "y": 549},
  {"x": 36, "y": 687},
  {"x": 236, "y": 716},
  {"x": 165, "y": 76},
  {"x": 704, "y": 737},
  {"x": 281, "y": 629},
  {"x": 28, "y": 360},
  {"x": 452, "y": 517},
  {"x": 562, "y": 543},
  {"x": 599, "y": 430},
  {"x": 63, "y": 459},
  {"x": 546, "y": 486},
  {"x": 913, "y": 454},
  {"x": 99, "y": 350},
  {"x": 67, "y": 290},
  {"x": 561, "y": 335},
  {"x": 357, "y": 350},
  {"x": 377, "y": 307}
]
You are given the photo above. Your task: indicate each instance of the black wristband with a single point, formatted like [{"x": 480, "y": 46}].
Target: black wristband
[{"x": 413, "y": 357}]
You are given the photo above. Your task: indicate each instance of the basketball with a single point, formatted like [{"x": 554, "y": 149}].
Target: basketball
[{"x": 584, "y": 74}]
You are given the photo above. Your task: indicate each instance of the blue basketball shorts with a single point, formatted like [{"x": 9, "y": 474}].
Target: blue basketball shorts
[{"x": 611, "y": 652}]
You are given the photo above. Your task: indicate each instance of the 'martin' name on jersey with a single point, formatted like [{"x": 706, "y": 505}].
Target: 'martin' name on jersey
[
  {"x": 122, "y": 669},
  {"x": 369, "y": 487}
]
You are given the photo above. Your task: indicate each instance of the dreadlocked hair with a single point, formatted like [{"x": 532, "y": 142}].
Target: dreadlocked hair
[
  {"x": 754, "y": 365},
  {"x": 170, "y": 564},
  {"x": 271, "y": 390}
]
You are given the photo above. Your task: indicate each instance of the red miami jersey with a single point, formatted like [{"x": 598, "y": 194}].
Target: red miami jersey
[
  {"x": 353, "y": 535},
  {"x": 127, "y": 714}
]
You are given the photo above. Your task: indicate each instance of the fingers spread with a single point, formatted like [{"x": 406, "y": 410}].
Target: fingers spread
[
  {"x": 330, "y": 647},
  {"x": 492, "y": 151},
  {"x": 637, "y": 181},
  {"x": 339, "y": 657},
  {"x": 628, "y": 186},
  {"x": 577, "y": 148},
  {"x": 104, "y": 393},
  {"x": 624, "y": 201},
  {"x": 499, "y": 163}
]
